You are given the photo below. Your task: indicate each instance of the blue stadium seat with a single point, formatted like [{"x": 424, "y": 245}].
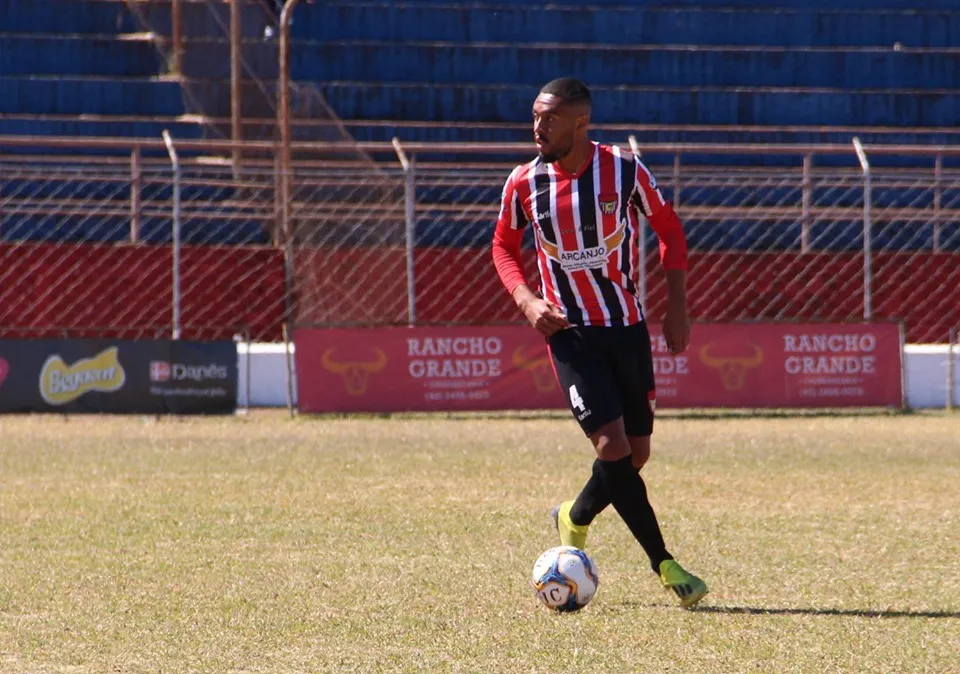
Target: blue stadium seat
[
  {"x": 20, "y": 125},
  {"x": 58, "y": 228},
  {"x": 778, "y": 24},
  {"x": 206, "y": 232},
  {"x": 608, "y": 65},
  {"x": 33, "y": 55},
  {"x": 97, "y": 96},
  {"x": 468, "y": 70},
  {"x": 765, "y": 106},
  {"x": 457, "y": 132},
  {"x": 110, "y": 17},
  {"x": 868, "y": 5},
  {"x": 91, "y": 17}
]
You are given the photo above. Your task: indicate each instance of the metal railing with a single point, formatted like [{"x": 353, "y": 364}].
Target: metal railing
[{"x": 372, "y": 240}]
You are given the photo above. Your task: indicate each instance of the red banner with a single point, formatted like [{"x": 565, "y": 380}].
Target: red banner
[
  {"x": 407, "y": 369},
  {"x": 500, "y": 368},
  {"x": 770, "y": 365}
]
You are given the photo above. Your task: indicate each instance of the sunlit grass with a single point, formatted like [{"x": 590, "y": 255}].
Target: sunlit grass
[{"x": 831, "y": 544}]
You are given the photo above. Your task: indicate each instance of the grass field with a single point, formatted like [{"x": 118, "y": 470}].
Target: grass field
[{"x": 260, "y": 544}]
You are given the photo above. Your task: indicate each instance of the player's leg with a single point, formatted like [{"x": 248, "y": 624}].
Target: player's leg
[
  {"x": 594, "y": 497},
  {"x": 589, "y": 388},
  {"x": 639, "y": 406},
  {"x": 589, "y": 378},
  {"x": 627, "y": 491},
  {"x": 633, "y": 377}
]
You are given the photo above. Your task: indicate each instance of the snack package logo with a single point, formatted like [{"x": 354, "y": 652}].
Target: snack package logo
[{"x": 61, "y": 383}]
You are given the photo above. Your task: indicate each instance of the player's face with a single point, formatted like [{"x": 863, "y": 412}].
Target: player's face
[{"x": 554, "y": 127}]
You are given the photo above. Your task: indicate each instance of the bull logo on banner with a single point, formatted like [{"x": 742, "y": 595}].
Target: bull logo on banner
[
  {"x": 540, "y": 369},
  {"x": 355, "y": 373},
  {"x": 733, "y": 370}
]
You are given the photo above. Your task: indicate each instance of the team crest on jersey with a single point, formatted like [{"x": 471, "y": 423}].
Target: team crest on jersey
[{"x": 608, "y": 203}]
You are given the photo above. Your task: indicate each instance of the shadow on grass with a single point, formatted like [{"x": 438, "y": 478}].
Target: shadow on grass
[{"x": 855, "y": 613}]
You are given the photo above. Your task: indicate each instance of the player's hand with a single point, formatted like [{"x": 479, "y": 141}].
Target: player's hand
[
  {"x": 676, "y": 327},
  {"x": 546, "y": 317}
]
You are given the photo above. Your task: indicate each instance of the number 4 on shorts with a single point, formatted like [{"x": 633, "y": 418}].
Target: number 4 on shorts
[{"x": 576, "y": 402}]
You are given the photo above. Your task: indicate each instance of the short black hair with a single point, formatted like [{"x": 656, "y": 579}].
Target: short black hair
[{"x": 569, "y": 90}]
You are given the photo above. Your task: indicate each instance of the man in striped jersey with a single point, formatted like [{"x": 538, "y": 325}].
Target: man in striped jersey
[{"x": 585, "y": 201}]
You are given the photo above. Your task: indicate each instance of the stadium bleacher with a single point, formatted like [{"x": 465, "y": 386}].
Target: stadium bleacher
[
  {"x": 669, "y": 71},
  {"x": 724, "y": 63},
  {"x": 715, "y": 71},
  {"x": 432, "y": 71}
]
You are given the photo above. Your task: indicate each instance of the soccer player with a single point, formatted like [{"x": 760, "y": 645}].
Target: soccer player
[{"x": 584, "y": 201}]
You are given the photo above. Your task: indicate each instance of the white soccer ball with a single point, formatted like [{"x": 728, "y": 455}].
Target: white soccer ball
[{"x": 565, "y": 578}]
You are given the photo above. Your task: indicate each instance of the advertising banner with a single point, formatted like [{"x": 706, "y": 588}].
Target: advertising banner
[
  {"x": 411, "y": 369},
  {"x": 767, "y": 365},
  {"x": 118, "y": 376},
  {"x": 774, "y": 365}
]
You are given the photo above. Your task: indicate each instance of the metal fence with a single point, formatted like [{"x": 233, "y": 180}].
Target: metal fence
[{"x": 130, "y": 245}]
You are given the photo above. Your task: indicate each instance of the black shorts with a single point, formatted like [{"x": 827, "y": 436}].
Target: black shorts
[{"x": 606, "y": 373}]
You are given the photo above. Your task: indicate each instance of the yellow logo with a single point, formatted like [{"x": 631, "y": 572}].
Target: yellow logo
[
  {"x": 733, "y": 371},
  {"x": 586, "y": 258},
  {"x": 61, "y": 384},
  {"x": 540, "y": 369},
  {"x": 356, "y": 374}
]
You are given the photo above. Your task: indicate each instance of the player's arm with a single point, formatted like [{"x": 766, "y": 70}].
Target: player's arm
[
  {"x": 546, "y": 317},
  {"x": 673, "y": 256}
]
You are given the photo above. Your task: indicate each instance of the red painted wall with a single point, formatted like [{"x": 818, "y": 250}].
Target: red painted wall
[{"x": 126, "y": 290}]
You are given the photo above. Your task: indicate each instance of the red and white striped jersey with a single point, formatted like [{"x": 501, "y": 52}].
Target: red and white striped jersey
[{"x": 586, "y": 228}]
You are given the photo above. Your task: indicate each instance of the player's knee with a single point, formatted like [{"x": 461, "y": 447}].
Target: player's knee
[
  {"x": 640, "y": 451},
  {"x": 610, "y": 441}
]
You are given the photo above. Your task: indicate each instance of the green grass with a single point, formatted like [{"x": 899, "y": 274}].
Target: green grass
[{"x": 260, "y": 544}]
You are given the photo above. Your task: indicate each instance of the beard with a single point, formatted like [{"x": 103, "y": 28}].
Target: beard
[{"x": 557, "y": 153}]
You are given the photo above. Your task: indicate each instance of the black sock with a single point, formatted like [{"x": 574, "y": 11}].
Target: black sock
[
  {"x": 592, "y": 500},
  {"x": 628, "y": 494}
]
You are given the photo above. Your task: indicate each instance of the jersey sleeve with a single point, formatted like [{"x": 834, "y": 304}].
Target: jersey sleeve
[
  {"x": 648, "y": 199},
  {"x": 508, "y": 236}
]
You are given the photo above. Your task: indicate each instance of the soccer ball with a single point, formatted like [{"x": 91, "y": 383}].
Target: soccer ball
[{"x": 565, "y": 578}]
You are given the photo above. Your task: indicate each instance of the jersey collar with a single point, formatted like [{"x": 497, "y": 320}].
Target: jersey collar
[{"x": 589, "y": 160}]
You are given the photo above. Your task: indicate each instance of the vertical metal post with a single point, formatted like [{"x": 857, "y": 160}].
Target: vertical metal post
[
  {"x": 277, "y": 200},
  {"x": 904, "y": 401},
  {"x": 247, "y": 341},
  {"x": 676, "y": 181},
  {"x": 291, "y": 371},
  {"x": 283, "y": 111},
  {"x": 867, "y": 231},
  {"x": 176, "y": 36},
  {"x": 951, "y": 369},
  {"x": 937, "y": 200},
  {"x": 642, "y": 234},
  {"x": 236, "y": 73},
  {"x": 136, "y": 172},
  {"x": 806, "y": 197},
  {"x": 175, "y": 161},
  {"x": 283, "y": 121},
  {"x": 410, "y": 217}
]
